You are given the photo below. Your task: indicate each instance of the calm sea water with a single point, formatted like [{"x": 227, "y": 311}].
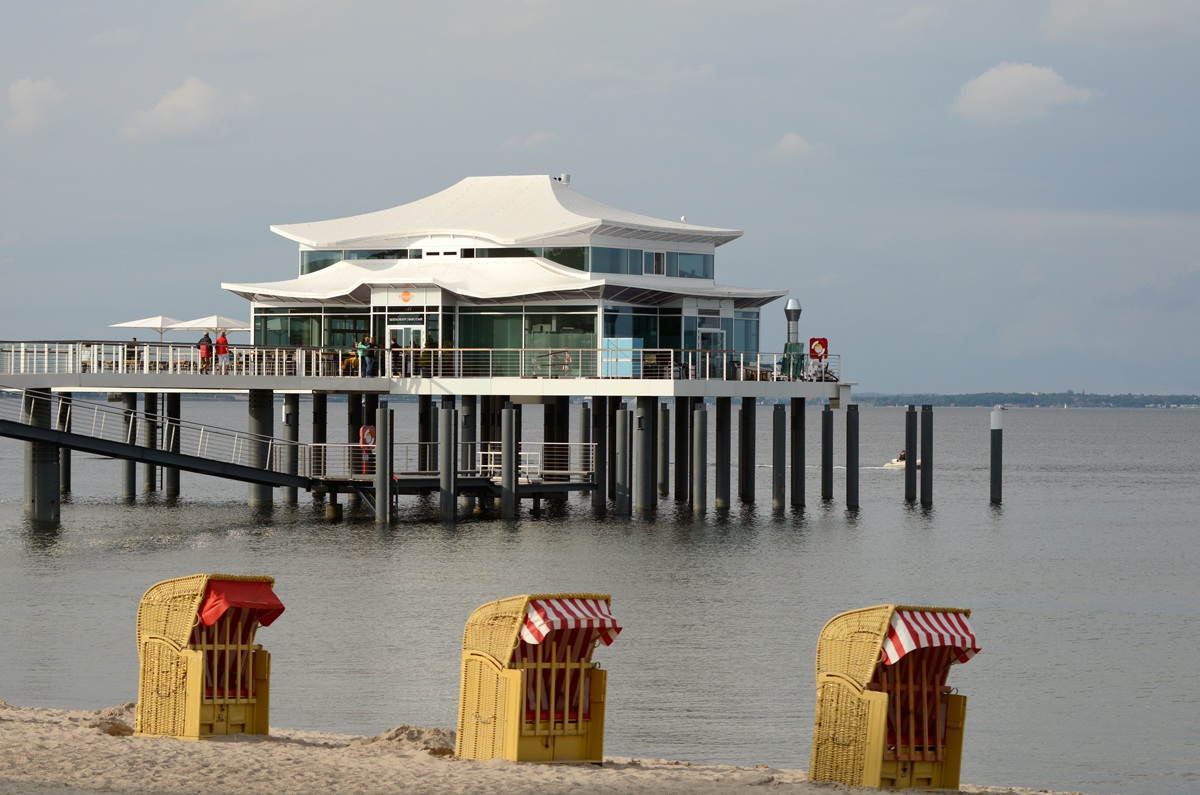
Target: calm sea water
[{"x": 1083, "y": 584}]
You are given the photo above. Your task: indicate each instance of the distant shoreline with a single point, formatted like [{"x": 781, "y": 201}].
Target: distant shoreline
[{"x": 1036, "y": 400}]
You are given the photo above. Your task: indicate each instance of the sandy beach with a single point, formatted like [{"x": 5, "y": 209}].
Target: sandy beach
[{"x": 55, "y": 752}]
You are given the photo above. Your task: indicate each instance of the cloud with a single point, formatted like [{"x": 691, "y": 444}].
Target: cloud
[
  {"x": 913, "y": 18},
  {"x": 1013, "y": 92},
  {"x": 193, "y": 111},
  {"x": 792, "y": 145},
  {"x": 618, "y": 82},
  {"x": 532, "y": 142},
  {"x": 1123, "y": 21},
  {"x": 31, "y": 101}
]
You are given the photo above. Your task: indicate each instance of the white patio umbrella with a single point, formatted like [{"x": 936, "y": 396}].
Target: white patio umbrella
[
  {"x": 159, "y": 323},
  {"x": 212, "y": 323}
]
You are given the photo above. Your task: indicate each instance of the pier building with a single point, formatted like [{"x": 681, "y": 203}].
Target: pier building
[{"x": 494, "y": 294}]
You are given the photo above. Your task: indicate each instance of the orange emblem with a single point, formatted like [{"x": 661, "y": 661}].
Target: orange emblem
[{"x": 406, "y": 296}]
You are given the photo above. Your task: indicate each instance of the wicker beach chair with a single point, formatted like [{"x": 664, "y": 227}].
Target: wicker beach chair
[
  {"x": 530, "y": 691},
  {"x": 201, "y": 674},
  {"x": 885, "y": 717}
]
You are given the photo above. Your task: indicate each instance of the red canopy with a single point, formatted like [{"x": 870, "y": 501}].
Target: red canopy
[{"x": 224, "y": 594}]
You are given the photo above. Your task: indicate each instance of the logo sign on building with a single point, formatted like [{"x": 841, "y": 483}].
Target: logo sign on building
[{"x": 405, "y": 295}]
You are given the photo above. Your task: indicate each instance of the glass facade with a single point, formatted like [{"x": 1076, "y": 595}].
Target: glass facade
[
  {"x": 313, "y": 261},
  {"x": 695, "y": 266},
  {"x": 570, "y": 256},
  {"x": 617, "y": 260}
]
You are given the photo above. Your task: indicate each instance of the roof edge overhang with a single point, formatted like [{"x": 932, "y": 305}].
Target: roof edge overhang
[{"x": 717, "y": 237}]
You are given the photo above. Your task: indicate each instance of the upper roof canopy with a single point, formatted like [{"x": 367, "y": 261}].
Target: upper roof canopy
[{"x": 509, "y": 210}]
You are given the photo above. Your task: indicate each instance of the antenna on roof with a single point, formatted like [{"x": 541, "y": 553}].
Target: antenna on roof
[
  {"x": 683, "y": 219},
  {"x": 565, "y": 179}
]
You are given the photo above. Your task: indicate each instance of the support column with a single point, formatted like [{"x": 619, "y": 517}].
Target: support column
[
  {"x": 911, "y": 455},
  {"x": 600, "y": 439},
  {"x": 827, "y": 453},
  {"x": 927, "y": 455},
  {"x": 320, "y": 407},
  {"x": 664, "y": 449},
  {"x": 997, "y": 453},
  {"x": 724, "y": 448},
  {"x": 798, "y": 406},
  {"x": 852, "y": 456},
  {"x": 683, "y": 415},
  {"x": 467, "y": 433},
  {"x": 42, "y": 487},
  {"x": 778, "y": 456},
  {"x": 171, "y": 441},
  {"x": 643, "y": 446},
  {"x": 622, "y": 462},
  {"x": 354, "y": 423},
  {"x": 585, "y": 437},
  {"x": 291, "y": 450},
  {"x": 699, "y": 460},
  {"x": 424, "y": 436},
  {"x": 150, "y": 439},
  {"x": 748, "y": 415},
  {"x": 447, "y": 464},
  {"x": 262, "y": 423},
  {"x": 128, "y": 467},
  {"x": 63, "y": 423},
  {"x": 614, "y": 405},
  {"x": 508, "y": 464},
  {"x": 383, "y": 463}
]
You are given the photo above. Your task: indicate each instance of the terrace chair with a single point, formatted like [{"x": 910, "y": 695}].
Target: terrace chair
[
  {"x": 201, "y": 674},
  {"x": 885, "y": 717},
  {"x": 530, "y": 691}
]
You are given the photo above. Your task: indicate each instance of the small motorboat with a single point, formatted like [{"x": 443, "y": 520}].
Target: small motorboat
[{"x": 896, "y": 463}]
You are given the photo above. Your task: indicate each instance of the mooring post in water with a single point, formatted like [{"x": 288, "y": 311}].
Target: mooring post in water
[
  {"x": 997, "y": 452},
  {"x": 333, "y": 511},
  {"x": 927, "y": 454},
  {"x": 446, "y": 463},
  {"x": 683, "y": 413},
  {"x": 508, "y": 463},
  {"x": 700, "y": 460},
  {"x": 746, "y": 433},
  {"x": 643, "y": 446},
  {"x": 910, "y": 454},
  {"x": 383, "y": 464},
  {"x": 129, "y": 466},
  {"x": 827, "y": 453},
  {"x": 798, "y": 452},
  {"x": 585, "y": 438},
  {"x": 778, "y": 456},
  {"x": 622, "y": 461},
  {"x": 852, "y": 456},
  {"x": 614, "y": 405},
  {"x": 424, "y": 432}
]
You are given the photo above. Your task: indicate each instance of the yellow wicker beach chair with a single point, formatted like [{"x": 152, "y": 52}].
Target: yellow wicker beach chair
[
  {"x": 885, "y": 717},
  {"x": 530, "y": 691},
  {"x": 201, "y": 673}
]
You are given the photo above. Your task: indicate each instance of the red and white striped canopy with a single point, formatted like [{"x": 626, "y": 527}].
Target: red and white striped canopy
[
  {"x": 920, "y": 629},
  {"x": 546, "y": 615}
]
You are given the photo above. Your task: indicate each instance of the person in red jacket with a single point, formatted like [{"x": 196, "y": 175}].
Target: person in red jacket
[{"x": 223, "y": 353}]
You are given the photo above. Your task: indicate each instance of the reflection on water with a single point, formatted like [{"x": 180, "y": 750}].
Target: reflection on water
[{"x": 1072, "y": 582}]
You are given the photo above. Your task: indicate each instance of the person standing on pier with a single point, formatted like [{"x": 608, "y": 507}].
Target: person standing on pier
[
  {"x": 370, "y": 352},
  {"x": 222, "y": 352},
  {"x": 361, "y": 352},
  {"x": 206, "y": 352}
]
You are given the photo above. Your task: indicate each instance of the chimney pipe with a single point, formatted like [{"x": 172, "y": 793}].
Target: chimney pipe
[
  {"x": 565, "y": 179},
  {"x": 792, "y": 311}
]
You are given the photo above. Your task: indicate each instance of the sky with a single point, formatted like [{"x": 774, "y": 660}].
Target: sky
[{"x": 963, "y": 196}]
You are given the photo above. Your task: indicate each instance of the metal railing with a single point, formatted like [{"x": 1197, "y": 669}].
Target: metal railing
[
  {"x": 127, "y": 426},
  {"x": 544, "y": 462},
  {"x": 30, "y": 358}
]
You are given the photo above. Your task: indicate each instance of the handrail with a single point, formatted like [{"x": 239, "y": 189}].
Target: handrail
[{"x": 85, "y": 357}]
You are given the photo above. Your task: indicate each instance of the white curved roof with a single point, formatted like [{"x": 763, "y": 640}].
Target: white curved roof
[
  {"x": 492, "y": 280},
  {"x": 508, "y": 210}
]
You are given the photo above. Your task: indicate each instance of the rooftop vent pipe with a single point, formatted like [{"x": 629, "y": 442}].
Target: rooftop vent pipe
[
  {"x": 792, "y": 311},
  {"x": 565, "y": 179}
]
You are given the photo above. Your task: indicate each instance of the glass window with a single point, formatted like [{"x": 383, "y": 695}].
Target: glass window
[
  {"x": 745, "y": 334},
  {"x": 646, "y": 329},
  {"x": 709, "y": 322},
  {"x": 559, "y": 308},
  {"x": 692, "y": 266},
  {"x": 560, "y": 331},
  {"x": 342, "y": 331},
  {"x": 670, "y": 332},
  {"x": 467, "y": 253},
  {"x": 313, "y": 261},
  {"x": 689, "y": 332},
  {"x": 287, "y": 331},
  {"x": 610, "y": 260},
  {"x": 745, "y": 314},
  {"x": 489, "y": 331},
  {"x": 672, "y": 263},
  {"x": 414, "y": 253},
  {"x": 571, "y": 257},
  {"x": 385, "y": 253},
  {"x": 477, "y": 310},
  {"x": 654, "y": 262},
  {"x": 508, "y": 252},
  {"x": 618, "y": 326},
  {"x": 635, "y": 261}
]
